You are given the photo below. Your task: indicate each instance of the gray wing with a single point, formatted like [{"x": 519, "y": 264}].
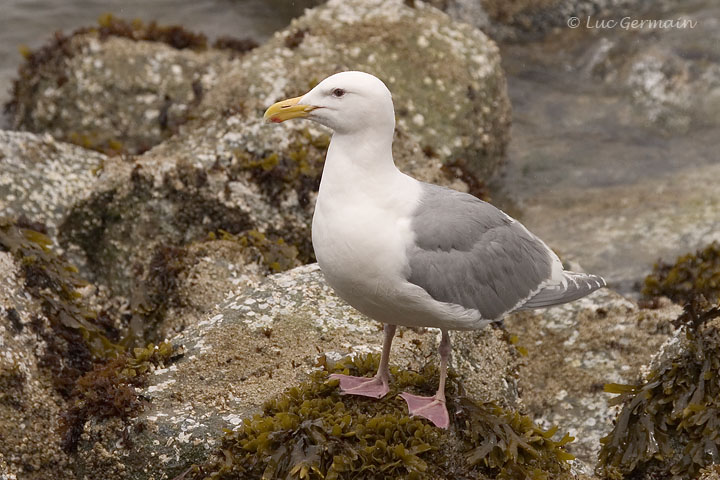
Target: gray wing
[{"x": 469, "y": 253}]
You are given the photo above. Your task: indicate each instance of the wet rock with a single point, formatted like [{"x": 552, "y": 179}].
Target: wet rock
[
  {"x": 138, "y": 207},
  {"x": 41, "y": 178},
  {"x": 110, "y": 93},
  {"x": 574, "y": 349},
  {"x": 30, "y": 407},
  {"x": 260, "y": 341},
  {"x": 621, "y": 231}
]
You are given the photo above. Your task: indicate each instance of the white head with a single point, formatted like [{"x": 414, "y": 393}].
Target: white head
[{"x": 347, "y": 102}]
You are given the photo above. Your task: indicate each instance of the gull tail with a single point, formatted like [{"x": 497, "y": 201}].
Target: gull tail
[{"x": 574, "y": 286}]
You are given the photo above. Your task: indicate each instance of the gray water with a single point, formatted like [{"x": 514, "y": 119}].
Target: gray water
[{"x": 575, "y": 125}]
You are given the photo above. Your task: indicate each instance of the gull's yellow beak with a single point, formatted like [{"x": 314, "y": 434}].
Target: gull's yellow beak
[{"x": 287, "y": 109}]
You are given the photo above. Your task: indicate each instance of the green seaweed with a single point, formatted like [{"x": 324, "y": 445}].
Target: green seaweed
[
  {"x": 277, "y": 255},
  {"x": 669, "y": 425},
  {"x": 313, "y": 432},
  {"x": 299, "y": 169},
  {"x": 691, "y": 274}
]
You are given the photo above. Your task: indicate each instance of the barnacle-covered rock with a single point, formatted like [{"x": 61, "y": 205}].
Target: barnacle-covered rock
[
  {"x": 138, "y": 207},
  {"x": 455, "y": 113},
  {"x": 227, "y": 170},
  {"x": 58, "y": 368},
  {"x": 41, "y": 178},
  {"x": 261, "y": 340},
  {"x": 573, "y": 349},
  {"x": 669, "y": 423},
  {"x": 312, "y": 431},
  {"x": 121, "y": 87}
]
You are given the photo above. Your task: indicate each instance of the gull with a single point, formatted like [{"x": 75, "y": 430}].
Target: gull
[{"x": 409, "y": 253}]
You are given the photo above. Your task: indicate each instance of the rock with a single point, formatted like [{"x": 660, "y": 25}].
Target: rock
[
  {"x": 42, "y": 178},
  {"x": 30, "y": 407},
  {"x": 260, "y": 341},
  {"x": 456, "y": 111},
  {"x": 574, "y": 349},
  {"x": 110, "y": 93},
  {"x": 674, "y": 91},
  {"x": 611, "y": 184},
  {"x": 138, "y": 208}
]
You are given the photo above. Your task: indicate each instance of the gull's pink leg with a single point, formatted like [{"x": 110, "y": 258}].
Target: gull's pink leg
[
  {"x": 377, "y": 386},
  {"x": 433, "y": 408}
]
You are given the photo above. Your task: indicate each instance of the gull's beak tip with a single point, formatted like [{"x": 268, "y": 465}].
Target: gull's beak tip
[{"x": 285, "y": 110}]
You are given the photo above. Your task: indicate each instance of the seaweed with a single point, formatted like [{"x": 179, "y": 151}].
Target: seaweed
[
  {"x": 108, "y": 390},
  {"x": 669, "y": 425},
  {"x": 295, "y": 38},
  {"x": 152, "y": 297},
  {"x": 691, "y": 274},
  {"x": 96, "y": 375},
  {"x": 74, "y": 338},
  {"x": 313, "y": 432},
  {"x": 277, "y": 255},
  {"x": 300, "y": 169},
  {"x": 235, "y": 45}
]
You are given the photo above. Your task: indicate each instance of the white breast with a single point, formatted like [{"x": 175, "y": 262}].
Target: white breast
[{"x": 360, "y": 236}]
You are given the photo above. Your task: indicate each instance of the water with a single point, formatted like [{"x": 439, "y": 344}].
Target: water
[{"x": 573, "y": 128}]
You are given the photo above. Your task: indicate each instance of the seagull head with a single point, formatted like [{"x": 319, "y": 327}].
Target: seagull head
[{"x": 347, "y": 102}]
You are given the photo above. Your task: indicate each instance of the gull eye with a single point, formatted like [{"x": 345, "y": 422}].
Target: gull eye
[{"x": 337, "y": 92}]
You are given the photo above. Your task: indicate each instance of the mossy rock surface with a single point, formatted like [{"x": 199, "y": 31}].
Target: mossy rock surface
[
  {"x": 455, "y": 113},
  {"x": 28, "y": 397},
  {"x": 49, "y": 338},
  {"x": 312, "y": 431},
  {"x": 573, "y": 349}
]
